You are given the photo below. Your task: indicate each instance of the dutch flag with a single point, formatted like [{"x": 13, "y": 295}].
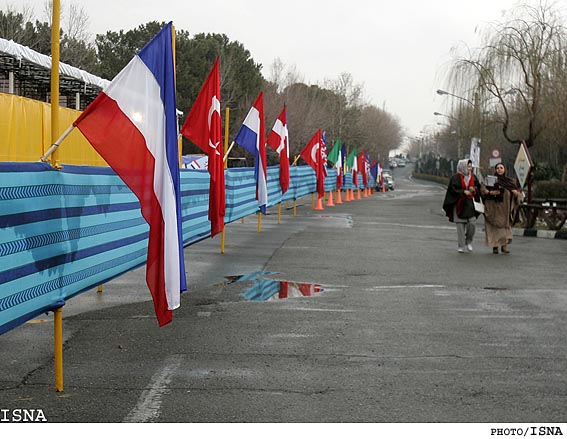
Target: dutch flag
[
  {"x": 251, "y": 137},
  {"x": 132, "y": 124}
]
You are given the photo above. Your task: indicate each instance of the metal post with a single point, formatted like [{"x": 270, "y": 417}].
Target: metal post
[
  {"x": 58, "y": 348},
  {"x": 11, "y": 84},
  {"x": 55, "y": 30},
  {"x": 225, "y": 164}
]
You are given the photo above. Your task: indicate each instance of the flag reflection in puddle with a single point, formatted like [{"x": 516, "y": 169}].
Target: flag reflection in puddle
[{"x": 264, "y": 289}]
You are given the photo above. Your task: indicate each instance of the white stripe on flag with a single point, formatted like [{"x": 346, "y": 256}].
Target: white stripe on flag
[{"x": 137, "y": 93}]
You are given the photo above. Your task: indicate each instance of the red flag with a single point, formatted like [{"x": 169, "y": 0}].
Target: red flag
[
  {"x": 312, "y": 155},
  {"x": 203, "y": 127},
  {"x": 279, "y": 140},
  {"x": 362, "y": 168},
  {"x": 309, "y": 153}
]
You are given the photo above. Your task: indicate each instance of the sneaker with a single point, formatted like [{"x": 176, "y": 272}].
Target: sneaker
[
  {"x": 495, "y": 250},
  {"x": 461, "y": 250},
  {"x": 469, "y": 247}
]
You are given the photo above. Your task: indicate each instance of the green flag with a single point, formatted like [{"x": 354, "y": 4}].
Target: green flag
[
  {"x": 333, "y": 155},
  {"x": 351, "y": 159}
]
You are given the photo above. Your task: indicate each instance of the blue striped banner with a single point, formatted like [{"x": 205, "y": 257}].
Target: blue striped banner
[{"x": 64, "y": 232}]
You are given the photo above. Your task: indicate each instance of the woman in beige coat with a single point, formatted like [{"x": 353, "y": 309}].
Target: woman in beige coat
[{"x": 501, "y": 202}]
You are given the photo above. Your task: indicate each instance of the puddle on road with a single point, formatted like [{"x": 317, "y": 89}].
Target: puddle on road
[{"x": 265, "y": 289}]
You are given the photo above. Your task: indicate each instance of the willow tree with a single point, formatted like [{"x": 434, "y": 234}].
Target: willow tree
[{"x": 512, "y": 70}]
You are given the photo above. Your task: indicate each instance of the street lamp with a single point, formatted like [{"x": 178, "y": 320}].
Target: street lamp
[
  {"x": 443, "y": 92},
  {"x": 459, "y": 144},
  {"x": 474, "y": 105},
  {"x": 436, "y": 113}
]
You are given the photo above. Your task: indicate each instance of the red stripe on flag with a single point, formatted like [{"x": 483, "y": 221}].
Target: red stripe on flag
[{"x": 104, "y": 125}]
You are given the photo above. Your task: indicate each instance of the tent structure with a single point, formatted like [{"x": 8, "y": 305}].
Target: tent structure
[{"x": 27, "y": 73}]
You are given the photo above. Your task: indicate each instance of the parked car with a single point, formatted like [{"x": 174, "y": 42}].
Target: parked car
[
  {"x": 390, "y": 183},
  {"x": 388, "y": 180}
]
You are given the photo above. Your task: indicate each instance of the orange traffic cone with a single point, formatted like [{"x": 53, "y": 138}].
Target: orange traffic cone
[
  {"x": 319, "y": 205},
  {"x": 358, "y": 193},
  {"x": 339, "y": 200},
  {"x": 365, "y": 192},
  {"x": 330, "y": 200}
]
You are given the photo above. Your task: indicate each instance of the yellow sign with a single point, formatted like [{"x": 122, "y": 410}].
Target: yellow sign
[{"x": 523, "y": 164}]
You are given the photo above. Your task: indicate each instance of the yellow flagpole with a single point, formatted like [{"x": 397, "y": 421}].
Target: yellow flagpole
[
  {"x": 227, "y": 114},
  {"x": 58, "y": 348},
  {"x": 179, "y": 139},
  {"x": 55, "y": 35},
  {"x": 58, "y": 314}
]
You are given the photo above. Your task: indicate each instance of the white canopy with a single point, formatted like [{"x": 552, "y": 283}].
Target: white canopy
[{"x": 20, "y": 52}]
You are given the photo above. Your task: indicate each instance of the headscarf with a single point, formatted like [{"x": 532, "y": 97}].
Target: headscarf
[
  {"x": 506, "y": 182},
  {"x": 463, "y": 169},
  {"x": 454, "y": 197},
  {"x": 463, "y": 166}
]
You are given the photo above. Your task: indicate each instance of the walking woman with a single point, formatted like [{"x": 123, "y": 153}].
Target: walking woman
[
  {"x": 458, "y": 204},
  {"x": 501, "y": 202}
]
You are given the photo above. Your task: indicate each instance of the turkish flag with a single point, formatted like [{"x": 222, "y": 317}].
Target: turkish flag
[
  {"x": 362, "y": 168},
  {"x": 312, "y": 154},
  {"x": 203, "y": 127}
]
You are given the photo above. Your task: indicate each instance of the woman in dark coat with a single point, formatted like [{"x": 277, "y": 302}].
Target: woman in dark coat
[
  {"x": 459, "y": 206},
  {"x": 500, "y": 205}
]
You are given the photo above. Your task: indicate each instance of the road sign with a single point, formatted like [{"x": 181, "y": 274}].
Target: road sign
[
  {"x": 475, "y": 152},
  {"x": 492, "y": 162},
  {"x": 523, "y": 164},
  {"x": 494, "y": 158}
]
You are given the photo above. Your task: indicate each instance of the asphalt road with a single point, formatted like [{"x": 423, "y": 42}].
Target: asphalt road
[{"x": 406, "y": 330}]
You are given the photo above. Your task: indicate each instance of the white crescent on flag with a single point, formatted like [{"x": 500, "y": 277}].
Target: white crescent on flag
[
  {"x": 314, "y": 150},
  {"x": 215, "y": 107}
]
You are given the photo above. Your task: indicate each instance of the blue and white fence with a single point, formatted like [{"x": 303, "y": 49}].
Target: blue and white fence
[{"x": 64, "y": 232}]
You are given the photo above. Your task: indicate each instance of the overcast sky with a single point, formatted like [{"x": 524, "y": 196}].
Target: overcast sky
[{"x": 396, "y": 49}]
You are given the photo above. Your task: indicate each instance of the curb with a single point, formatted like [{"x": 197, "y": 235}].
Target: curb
[{"x": 551, "y": 234}]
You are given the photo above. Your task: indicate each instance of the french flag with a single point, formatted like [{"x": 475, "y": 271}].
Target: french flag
[
  {"x": 251, "y": 136},
  {"x": 132, "y": 124}
]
